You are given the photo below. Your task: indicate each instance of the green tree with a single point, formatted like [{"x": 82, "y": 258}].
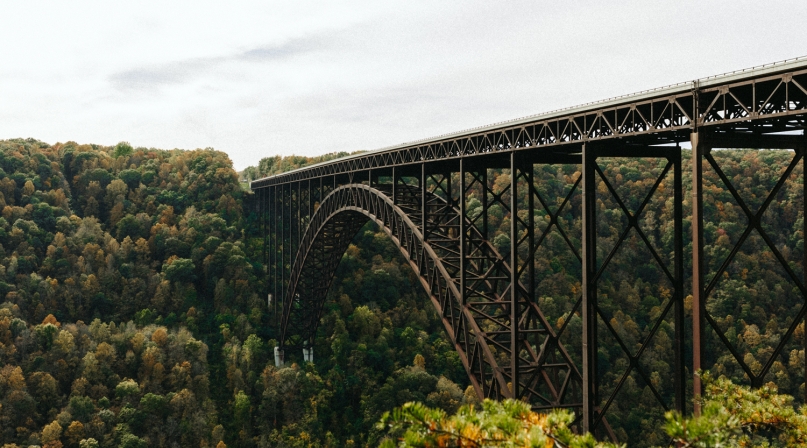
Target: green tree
[
  {"x": 509, "y": 423},
  {"x": 179, "y": 270},
  {"x": 735, "y": 415},
  {"x": 123, "y": 149}
]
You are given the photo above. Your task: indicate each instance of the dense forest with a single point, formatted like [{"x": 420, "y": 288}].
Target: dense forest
[{"x": 133, "y": 312}]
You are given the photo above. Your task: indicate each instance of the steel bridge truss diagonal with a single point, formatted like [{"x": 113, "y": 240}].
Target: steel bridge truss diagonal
[{"x": 481, "y": 216}]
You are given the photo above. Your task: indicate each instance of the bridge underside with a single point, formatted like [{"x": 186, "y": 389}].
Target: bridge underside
[{"x": 482, "y": 223}]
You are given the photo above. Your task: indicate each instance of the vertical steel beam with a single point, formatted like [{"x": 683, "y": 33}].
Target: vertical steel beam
[
  {"x": 264, "y": 232},
  {"x": 463, "y": 214},
  {"x": 698, "y": 285},
  {"x": 273, "y": 233},
  {"x": 293, "y": 222},
  {"x": 531, "y": 230},
  {"x": 484, "y": 178},
  {"x": 395, "y": 186},
  {"x": 423, "y": 193},
  {"x": 273, "y": 249},
  {"x": 678, "y": 274},
  {"x": 292, "y": 215},
  {"x": 283, "y": 246},
  {"x": 290, "y": 250},
  {"x": 299, "y": 203},
  {"x": 514, "y": 314},
  {"x": 267, "y": 239},
  {"x": 310, "y": 201},
  {"x": 261, "y": 198},
  {"x": 589, "y": 289}
]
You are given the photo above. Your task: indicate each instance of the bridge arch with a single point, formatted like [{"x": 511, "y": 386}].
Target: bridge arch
[{"x": 333, "y": 226}]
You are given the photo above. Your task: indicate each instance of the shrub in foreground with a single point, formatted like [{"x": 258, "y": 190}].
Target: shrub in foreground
[{"x": 508, "y": 423}]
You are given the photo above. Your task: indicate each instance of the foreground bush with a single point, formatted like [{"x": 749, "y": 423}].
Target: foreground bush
[
  {"x": 508, "y": 423},
  {"x": 731, "y": 415},
  {"x": 735, "y": 415}
]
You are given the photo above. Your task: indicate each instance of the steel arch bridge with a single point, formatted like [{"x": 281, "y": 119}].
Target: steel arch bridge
[{"x": 436, "y": 198}]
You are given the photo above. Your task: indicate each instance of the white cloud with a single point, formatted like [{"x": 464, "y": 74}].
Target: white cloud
[{"x": 259, "y": 78}]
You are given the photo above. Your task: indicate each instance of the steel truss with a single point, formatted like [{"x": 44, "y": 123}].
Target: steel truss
[
  {"x": 763, "y": 101},
  {"x": 705, "y": 282},
  {"x": 452, "y": 257},
  {"x": 595, "y": 405},
  {"x": 435, "y": 199}
]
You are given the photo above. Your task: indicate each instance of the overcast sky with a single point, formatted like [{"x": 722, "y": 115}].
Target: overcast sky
[{"x": 254, "y": 79}]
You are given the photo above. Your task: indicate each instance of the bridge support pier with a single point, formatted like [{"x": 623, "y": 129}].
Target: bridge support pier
[
  {"x": 597, "y": 322},
  {"x": 698, "y": 299},
  {"x": 589, "y": 311},
  {"x": 706, "y": 278}
]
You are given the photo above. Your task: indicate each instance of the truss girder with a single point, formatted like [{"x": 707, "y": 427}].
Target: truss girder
[{"x": 769, "y": 102}]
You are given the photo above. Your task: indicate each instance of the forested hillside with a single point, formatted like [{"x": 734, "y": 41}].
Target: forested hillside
[
  {"x": 115, "y": 263},
  {"x": 133, "y": 312}
]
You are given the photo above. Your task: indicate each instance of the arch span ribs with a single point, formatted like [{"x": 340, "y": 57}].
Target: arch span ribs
[
  {"x": 477, "y": 325},
  {"x": 427, "y": 197}
]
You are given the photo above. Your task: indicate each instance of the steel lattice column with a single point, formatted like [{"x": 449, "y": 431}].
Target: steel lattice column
[
  {"x": 589, "y": 290},
  {"x": 595, "y": 319},
  {"x": 516, "y": 300},
  {"x": 706, "y": 278},
  {"x": 698, "y": 299}
]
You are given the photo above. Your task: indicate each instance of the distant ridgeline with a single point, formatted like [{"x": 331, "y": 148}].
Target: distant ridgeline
[
  {"x": 269, "y": 166},
  {"x": 133, "y": 304}
]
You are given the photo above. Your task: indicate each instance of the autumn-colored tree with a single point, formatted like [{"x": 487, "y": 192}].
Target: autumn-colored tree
[
  {"x": 734, "y": 415},
  {"x": 509, "y": 423}
]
